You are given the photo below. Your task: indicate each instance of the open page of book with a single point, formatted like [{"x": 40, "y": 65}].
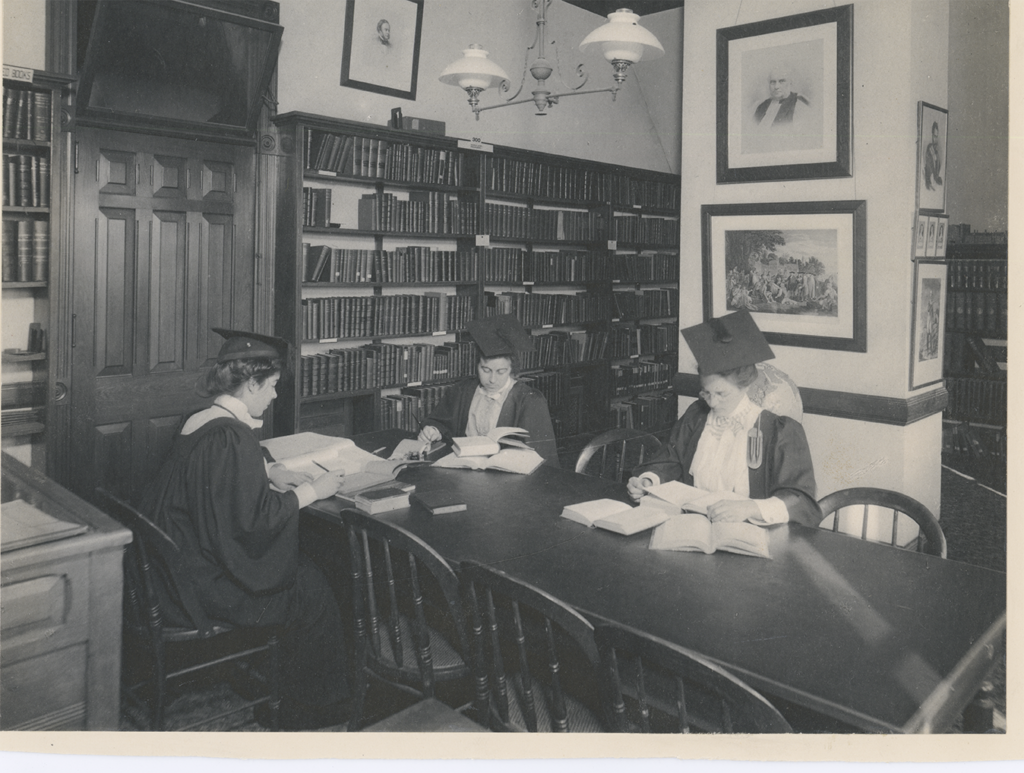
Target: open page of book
[
  {"x": 588, "y": 512},
  {"x": 491, "y": 443},
  {"x": 747, "y": 539},
  {"x": 634, "y": 519},
  {"x": 684, "y": 531},
  {"x": 514, "y": 460},
  {"x": 689, "y": 498},
  {"x": 312, "y": 452}
]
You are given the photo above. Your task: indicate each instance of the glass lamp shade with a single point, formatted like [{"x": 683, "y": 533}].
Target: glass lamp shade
[
  {"x": 473, "y": 70},
  {"x": 623, "y": 39}
]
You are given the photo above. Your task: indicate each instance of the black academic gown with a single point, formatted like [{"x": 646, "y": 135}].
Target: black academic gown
[
  {"x": 786, "y": 470},
  {"x": 524, "y": 407}
]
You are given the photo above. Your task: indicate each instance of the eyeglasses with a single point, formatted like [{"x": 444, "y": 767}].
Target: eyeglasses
[{"x": 706, "y": 396}]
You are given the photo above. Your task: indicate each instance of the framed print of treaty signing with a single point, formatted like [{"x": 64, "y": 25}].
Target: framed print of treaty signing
[
  {"x": 784, "y": 97},
  {"x": 382, "y": 46}
]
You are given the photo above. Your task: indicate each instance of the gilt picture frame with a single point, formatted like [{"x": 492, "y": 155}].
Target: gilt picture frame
[
  {"x": 799, "y": 268},
  {"x": 928, "y": 323},
  {"x": 784, "y": 104},
  {"x": 932, "y": 135},
  {"x": 381, "y": 51}
]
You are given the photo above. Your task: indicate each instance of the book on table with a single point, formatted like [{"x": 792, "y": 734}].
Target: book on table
[
  {"x": 690, "y": 498},
  {"x": 518, "y": 460},
  {"x": 383, "y": 499},
  {"x": 694, "y": 532},
  {"x": 491, "y": 443},
  {"x": 439, "y": 502},
  {"x": 620, "y": 517}
]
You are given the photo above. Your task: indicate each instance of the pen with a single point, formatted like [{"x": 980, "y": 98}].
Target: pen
[
  {"x": 320, "y": 466},
  {"x": 379, "y": 450}
]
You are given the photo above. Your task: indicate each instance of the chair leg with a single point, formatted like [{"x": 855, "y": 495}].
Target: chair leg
[
  {"x": 273, "y": 651},
  {"x": 160, "y": 687}
]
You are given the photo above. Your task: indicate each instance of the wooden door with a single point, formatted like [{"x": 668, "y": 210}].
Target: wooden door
[{"x": 163, "y": 252}]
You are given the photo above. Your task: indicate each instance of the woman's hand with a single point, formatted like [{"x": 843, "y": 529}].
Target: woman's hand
[
  {"x": 328, "y": 484},
  {"x": 429, "y": 434},
  {"x": 733, "y": 510},
  {"x": 285, "y": 479},
  {"x": 635, "y": 488}
]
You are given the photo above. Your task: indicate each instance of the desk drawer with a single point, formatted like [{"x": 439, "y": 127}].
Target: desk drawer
[
  {"x": 45, "y": 693},
  {"x": 43, "y": 608}
]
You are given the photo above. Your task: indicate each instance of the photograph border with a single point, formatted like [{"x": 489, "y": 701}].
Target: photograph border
[
  {"x": 857, "y": 262},
  {"x": 841, "y": 166},
  {"x": 922, "y": 141},
  {"x": 346, "y": 56},
  {"x": 931, "y": 374}
]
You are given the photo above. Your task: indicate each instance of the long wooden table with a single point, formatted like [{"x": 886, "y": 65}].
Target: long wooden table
[{"x": 880, "y": 639}]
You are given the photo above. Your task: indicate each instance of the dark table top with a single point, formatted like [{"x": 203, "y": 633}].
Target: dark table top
[{"x": 881, "y": 638}]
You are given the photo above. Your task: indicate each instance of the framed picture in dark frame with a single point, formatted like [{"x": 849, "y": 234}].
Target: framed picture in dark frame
[
  {"x": 932, "y": 134},
  {"x": 382, "y": 46},
  {"x": 799, "y": 268},
  {"x": 928, "y": 322},
  {"x": 784, "y": 97}
]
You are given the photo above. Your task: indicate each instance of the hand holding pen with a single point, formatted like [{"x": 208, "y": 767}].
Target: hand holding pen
[{"x": 328, "y": 484}]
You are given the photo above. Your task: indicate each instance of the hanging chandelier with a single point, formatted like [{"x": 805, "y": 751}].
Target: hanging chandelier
[{"x": 621, "y": 39}]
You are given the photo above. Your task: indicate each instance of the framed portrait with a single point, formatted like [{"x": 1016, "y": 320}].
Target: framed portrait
[
  {"x": 784, "y": 97},
  {"x": 941, "y": 235},
  {"x": 929, "y": 244},
  {"x": 800, "y": 269},
  {"x": 382, "y": 46},
  {"x": 928, "y": 323},
  {"x": 932, "y": 133},
  {"x": 920, "y": 235}
]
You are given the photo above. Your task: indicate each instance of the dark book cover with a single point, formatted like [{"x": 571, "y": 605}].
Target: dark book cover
[{"x": 438, "y": 502}]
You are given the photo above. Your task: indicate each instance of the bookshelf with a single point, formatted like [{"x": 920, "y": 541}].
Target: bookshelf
[
  {"x": 403, "y": 237},
  {"x": 33, "y": 169},
  {"x": 976, "y": 349}
]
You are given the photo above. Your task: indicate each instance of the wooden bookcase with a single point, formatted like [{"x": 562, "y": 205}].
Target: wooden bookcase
[
  {"x": 34, "y": 170},
  {"x": 399, "y": 238}
]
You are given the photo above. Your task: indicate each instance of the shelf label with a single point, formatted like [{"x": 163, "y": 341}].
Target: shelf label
[
  {"x": 545, "y": 327},
  {"x": 13, "y": 73},
  {"x": 476, "y": 144},
  {"x": 528, "y": 284},
  {"x": 439, "y": 333},
  {"x": 329, "y": 340},
  {"x": 612, "y": 244},
  {"x": 415, "y": 383},
  {"x": 483, "y": 240},
  {"x": 328, "y": 172}
]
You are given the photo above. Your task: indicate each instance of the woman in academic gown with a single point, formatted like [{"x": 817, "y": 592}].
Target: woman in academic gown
[
  {"x": 240, "y": 536},
  {"x": 724, "y": 442},
  {"x": 495, "y": 398}
]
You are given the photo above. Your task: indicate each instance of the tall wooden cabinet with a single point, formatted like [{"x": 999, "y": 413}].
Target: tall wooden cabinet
[{"x": 389, "y": 242}]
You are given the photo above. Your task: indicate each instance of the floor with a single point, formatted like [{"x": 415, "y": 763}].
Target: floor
[{"x": 973, "y": 519}]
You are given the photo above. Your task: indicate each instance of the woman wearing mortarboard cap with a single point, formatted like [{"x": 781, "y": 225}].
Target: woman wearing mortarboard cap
[
  {"x": 724, "y": 442},
  {"x": 494, "y": 398},
  {"x": 240, "y": 537}
]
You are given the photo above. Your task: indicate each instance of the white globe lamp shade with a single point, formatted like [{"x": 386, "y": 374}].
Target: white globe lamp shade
[
  {"x": 623, "y": 39},
  {"x": 473, "y": 71}
]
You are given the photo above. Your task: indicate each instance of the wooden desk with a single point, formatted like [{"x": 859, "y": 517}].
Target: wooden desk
[{"x": 882, "y": 639}]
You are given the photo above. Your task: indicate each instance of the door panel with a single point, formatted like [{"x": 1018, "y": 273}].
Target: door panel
[{"x": 163, "y": 251}]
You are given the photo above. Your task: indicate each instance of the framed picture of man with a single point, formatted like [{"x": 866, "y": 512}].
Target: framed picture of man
[
  {"x": 382, "y": 46},
  {"x": 920, "y": 235},
  {"x": 932, "y": 127},
  {"x": 927, "y": 323},
  {"x": 784, "y": 97}
]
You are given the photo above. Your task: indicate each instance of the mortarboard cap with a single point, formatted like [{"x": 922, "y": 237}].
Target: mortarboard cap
[
  {"x": 728, "y": 342},
  {"x": 500, "y": 336},
  {"x": 241, "y": 345}
]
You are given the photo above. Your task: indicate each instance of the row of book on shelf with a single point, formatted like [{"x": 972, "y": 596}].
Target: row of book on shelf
[
  {"x": 642, "y": 375},
  {"x": 26, "y": 250},
  {"x": 26, "y": 180},
  {"x": 978, "y": 274},
  {"x": 638, "y": 229},
  {"x": 968, "y": 354},
  {"x": 382, "y": 159},
  {"x": 647, "y": 412},
  {"x": 551, "y": 181},
  {"x": 539, "y": 309},
  {"x": 384, "y": 315},
  {"x": 511, "y": 221},
  {"x": 980, "y": 398},
  {"x": 26, "y": 114},
  {"x": 411, "y": 264},
  {"x": 515, "y": 265},
  {"x": 974, "y": 311}
]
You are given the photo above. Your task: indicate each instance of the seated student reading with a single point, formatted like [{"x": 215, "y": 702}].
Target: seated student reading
[
  {"x": 495, "y": 398},
  {"x": 240, "y": 537},
  {"x": 724, "y": 442}
]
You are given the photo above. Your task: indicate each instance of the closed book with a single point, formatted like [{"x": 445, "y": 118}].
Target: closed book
[
  {"x": 382, "y": 500},
  {"x": 10, "y": 251},
  {"x": 41, "y": 116},
  {"x": 24, "y": 251},
  {"x": 438, "y": 502},
  {"x": 40, "y": 250}
]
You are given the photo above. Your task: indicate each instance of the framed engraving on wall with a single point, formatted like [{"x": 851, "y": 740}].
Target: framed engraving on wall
[
  {"x": 382, "y": 46},
  {"x": 784, "y": 97},
  {"x": 928, "y": 323},
  {"x": 932, "y": 133}
]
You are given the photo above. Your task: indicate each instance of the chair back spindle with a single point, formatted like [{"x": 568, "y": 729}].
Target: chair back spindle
[{"x": 869, "y": 502}]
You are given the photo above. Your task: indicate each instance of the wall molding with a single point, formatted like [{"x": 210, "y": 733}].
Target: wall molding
[{"x": 899, "y": 411}]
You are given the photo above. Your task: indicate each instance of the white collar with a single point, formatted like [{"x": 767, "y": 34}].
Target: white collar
[
  {"x": 238, "y": 409},
  {"x": 501, "y": 394}
]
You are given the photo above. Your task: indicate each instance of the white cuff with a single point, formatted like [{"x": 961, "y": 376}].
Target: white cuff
[
  {"x": 773, "y": 510},
  {"x": 653, "y": 477},
  {"x": 306, "y": 494}
]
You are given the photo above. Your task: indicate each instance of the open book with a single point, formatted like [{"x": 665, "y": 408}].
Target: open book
[
  {"x": 694, "y": 532},
  {"x": 518, "y": 460},
  {"x": 491, "y": 443},
  {"x": 618, "y": 516},
  {"x": 690, "y": 498}
]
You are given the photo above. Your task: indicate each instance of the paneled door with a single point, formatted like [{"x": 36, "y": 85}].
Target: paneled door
[{"x": 163, "y": 252}]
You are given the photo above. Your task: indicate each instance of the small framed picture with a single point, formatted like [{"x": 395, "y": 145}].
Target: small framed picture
[
  {"x": 941, "y": 235},
  {"x": 920, "y": 235},
  {"x": 382, "y": 46},
  {"x": 932, "y": 135},
  {"x": 800, "y": 269},
  {"x": 784, "y": 104},
  {"x": 929, "y": 245},
  {"x": 928, "y": 323}
]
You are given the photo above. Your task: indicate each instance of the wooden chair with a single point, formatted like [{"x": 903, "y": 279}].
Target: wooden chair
[
  {"x": 410, "y": 630},
  {"x": 527, "y": 647},
  {"x": 201, "y": 646},
  {"x": 669, "y": 689},
  {"x": 617, "y": 452},
  {"x": 930, "y": 540}
]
